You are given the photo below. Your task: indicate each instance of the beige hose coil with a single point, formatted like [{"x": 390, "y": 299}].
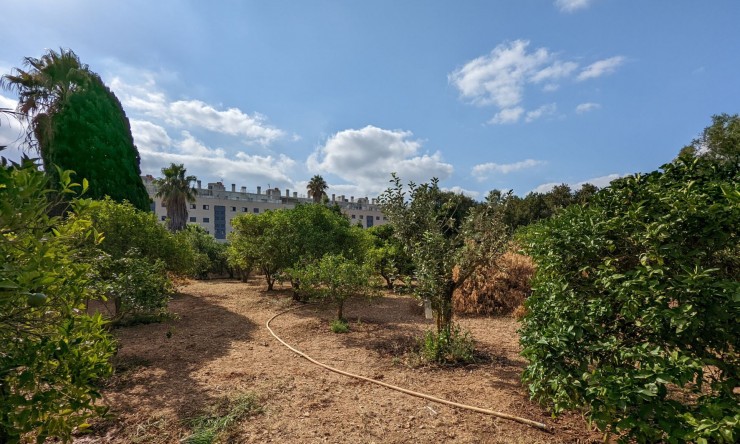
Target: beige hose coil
[{"x": 528, "y": 422}]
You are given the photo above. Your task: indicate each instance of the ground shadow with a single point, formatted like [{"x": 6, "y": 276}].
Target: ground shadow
[{"x": 156, "y": 363}]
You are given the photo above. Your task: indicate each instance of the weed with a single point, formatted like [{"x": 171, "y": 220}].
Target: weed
[
  {"x": 451, "y": 346},
  {"x": 206, "y": 428},
  {"x": 339, "y": 326}
]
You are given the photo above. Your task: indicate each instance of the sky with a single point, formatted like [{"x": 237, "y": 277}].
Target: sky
[{"x": 484, "y": 95}]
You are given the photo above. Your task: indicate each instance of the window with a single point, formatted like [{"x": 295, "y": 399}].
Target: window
[
  {"x": 192, "y": 206},
  {"x": 353, "y": 216},
  {"x": 164, "y": 217},
  {"x": 244, "y": 209},
  {"x": 377, "y": 217},
  {"x": 206, "y": 220},
  {"x": 256, "y": 210},
  {"x": 233, "y": 208},
  {"x": 205, "y": 207},
  {"x": 192, "y": 219},
  {"x": 361, "y": 216}
]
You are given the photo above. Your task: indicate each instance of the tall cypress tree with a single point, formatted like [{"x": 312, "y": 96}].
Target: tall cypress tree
[
  {"x": 79, "y": 125},
  {"x": 91, "y": 135}
]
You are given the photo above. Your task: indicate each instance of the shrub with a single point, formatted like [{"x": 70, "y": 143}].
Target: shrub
[
  {"x": 209, "y": 255},
  {"x": 634, "y": 312},
  {"x": 51, "y": 351},
  {"x": 339, "y": 326},
  {"x": 452, "y": 346},
  {"x": 497, "y": 288},
  {"x": 137, "y": 287}
]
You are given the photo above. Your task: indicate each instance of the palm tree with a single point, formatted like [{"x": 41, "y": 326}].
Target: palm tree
[
  {"x": 44, "y": 87},
  {"x": 176, "y": 191},
  {"x": 317, "y": 188}
]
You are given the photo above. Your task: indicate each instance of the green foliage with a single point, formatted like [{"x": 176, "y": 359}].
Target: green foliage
[
  {"x": 387, "y": 256},
  {"x": 138, "y": 287},
  {"x": 339, "y": 326},
  {"x": 51, "y": 351},
  {"x": 208, "y": 427},
  {"x": 451, "y": 346},
  {"x": 279, "y": 239},
  {"x": 517, "y": 211},
  {"x": 720, "y": 141},
  {"x": 333, "y": 278},
  {"x": 127, "y": 229},
  {"x": 447, "y": 236},
  {"x": 210, "y": 256},
  {"x": 634, "y": 310},
  {"x": 176, "y": 191},
  {"x": 317, "y": 188},
  {"x": 133, "y": 260},
  {"x": 91, "y": 135}
]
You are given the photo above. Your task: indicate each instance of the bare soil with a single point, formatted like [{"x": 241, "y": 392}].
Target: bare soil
[{"x": 219, "y": 348}]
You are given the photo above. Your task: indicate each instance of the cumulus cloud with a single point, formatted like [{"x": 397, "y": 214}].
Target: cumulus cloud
[
  {"x": 544, "y": 110},
  {"x": 600, "y": 68},
  {"x": 484, "y": 170},
  {"x": 500, "y": 78},
  {"x": 587, "y": 107},
  {"x": 601, "y": 182},
  {"x": 164, "y": 130},
  {"x": 366, "y": 158},
  {"x": 149, "y": 101},
  {"x": 572, "y": 5}
]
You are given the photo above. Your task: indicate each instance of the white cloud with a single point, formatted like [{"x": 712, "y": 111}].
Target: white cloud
[
  {"x": 203, "y": 161},
  {"x": 507, "y": 116},
  {"x": 544, "y": 110},
  {"x": 149, "y": 101},
  {"x": 366, "y": 158},
  {"x": 460, "y": 190},
  {"x": 12, "y": 131},
  {"x": 587, "y": 107},
  {"x": 149, "y": 136},
  {"x": 499, "y": 77},
  {"x": 482, "y": 171},
  {"x": 600, "y": 68},
  {"x": 572, "y": 5},
  {"x": 601, "y": 182},
  {"x": 557, "y": 70}
]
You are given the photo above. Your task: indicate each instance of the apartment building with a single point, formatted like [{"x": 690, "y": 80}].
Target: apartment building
[{"x": 215, "y": 206}]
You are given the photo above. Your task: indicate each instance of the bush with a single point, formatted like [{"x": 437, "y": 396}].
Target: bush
[
  {"x": 137, "y": 287},
  {"x": 634, "y": 312},
  {"x": 496, "y": 289},
  {"x": 452, "y": 346},
  {"x": 209, "y": 255},
  {"x": 125, "y": 229},
  {"x": 51, "y": 352},
  {"x": 339, "y": 326}
]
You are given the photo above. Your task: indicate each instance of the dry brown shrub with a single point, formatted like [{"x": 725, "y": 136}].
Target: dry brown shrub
[{"x": 496, "y": 289}]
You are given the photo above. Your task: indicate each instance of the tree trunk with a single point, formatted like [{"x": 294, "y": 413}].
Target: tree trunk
[
  {"x": 388, "y": 281},
  {"x": 340, "y": 310},
  {"x": 444, "y": 307}
]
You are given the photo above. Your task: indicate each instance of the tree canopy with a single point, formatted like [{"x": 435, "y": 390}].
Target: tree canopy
[
  {"x": 79, "y": 125},
  {"x": 176, "y": 190},
  {"x": 317, "y": 188}
]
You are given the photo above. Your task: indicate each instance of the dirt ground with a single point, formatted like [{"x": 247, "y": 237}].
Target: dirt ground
[{"x": 219, "y": 347}]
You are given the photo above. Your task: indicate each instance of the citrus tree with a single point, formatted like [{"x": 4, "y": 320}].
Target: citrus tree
[
  {"x": 634, "y": 313},
  {"x": 51, "y": 351}
]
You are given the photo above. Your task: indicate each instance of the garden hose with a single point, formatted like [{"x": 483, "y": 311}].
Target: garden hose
[{"x": 528, "y": 422}]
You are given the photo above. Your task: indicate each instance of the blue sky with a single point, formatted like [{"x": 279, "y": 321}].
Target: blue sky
[{"x": 482, "y": 94}]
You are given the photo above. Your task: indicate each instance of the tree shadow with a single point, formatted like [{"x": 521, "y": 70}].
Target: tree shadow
[{"x": 157, "y": 364}]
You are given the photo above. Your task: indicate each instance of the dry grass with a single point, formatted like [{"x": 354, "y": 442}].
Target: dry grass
[{"x": 498, "y": 289}]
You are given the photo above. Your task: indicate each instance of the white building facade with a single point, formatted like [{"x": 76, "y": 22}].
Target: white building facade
[{"x": 215, "y": 206}]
